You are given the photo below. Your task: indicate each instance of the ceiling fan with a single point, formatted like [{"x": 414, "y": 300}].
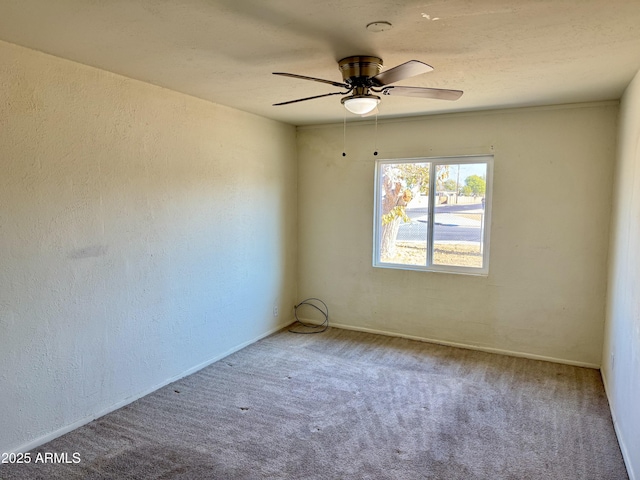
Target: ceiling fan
[{"x": 362, "y": 79}]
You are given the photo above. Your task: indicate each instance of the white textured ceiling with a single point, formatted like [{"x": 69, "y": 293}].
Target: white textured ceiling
[{"x": 502, "y": 53}]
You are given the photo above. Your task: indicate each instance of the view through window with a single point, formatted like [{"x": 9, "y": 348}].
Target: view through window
[{"x": 432, "y": 214}]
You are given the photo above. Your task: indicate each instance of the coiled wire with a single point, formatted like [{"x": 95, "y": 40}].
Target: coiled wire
[{"x": 312, "y": 327}]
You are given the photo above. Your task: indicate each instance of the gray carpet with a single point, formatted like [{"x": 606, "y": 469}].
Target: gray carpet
[{"x": 348, "y": 405}]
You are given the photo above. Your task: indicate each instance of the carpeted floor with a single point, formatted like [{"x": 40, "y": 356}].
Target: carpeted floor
[{"x": 349, "y": 405}]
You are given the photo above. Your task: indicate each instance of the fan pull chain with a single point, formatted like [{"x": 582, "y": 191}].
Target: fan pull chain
[
  {"x": 344, "y": 134},
  {"x": 375, "y": 137}
]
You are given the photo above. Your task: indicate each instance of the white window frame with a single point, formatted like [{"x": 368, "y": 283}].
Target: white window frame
[{"x": 433, "y": 163}]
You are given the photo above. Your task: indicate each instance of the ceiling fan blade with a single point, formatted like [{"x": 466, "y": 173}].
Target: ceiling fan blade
[
  {"x": 310, "y": 98},
  {"x": 437, "y": 93},
  {"x": 405, "y": 70},
  {"x": 321, "y": 80}
]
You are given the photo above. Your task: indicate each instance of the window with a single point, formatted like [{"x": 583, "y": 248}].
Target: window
[{"x": 433, "y": 214}]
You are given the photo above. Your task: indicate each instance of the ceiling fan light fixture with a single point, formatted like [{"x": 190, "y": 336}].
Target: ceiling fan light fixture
[{"x": 361, "y": 104}]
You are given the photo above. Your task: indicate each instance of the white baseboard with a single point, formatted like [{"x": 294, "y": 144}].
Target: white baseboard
[
  {"x": 623, "y": 446},
  {"x": 83, "y": 421},
  {"x": 470, "y": 347}
]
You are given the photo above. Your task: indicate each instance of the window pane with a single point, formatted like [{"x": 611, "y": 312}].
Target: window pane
[
  {"x": 404, "y": 207},
  {"x": 458, "y": 223}
]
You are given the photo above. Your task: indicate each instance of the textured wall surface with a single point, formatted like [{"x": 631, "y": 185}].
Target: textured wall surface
[
  {"x": 545, "y": 292},
  {"x": 621, "y": 355},
  {"x": 142, "y": 233}
]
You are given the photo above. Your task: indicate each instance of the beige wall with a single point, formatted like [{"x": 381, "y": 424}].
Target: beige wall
[
  {"x": 545, "y": 292},
  {"x": 143, "y": 234},
  {"x": 621, "y": 355}
]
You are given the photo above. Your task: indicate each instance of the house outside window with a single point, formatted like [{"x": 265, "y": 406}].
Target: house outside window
[{"x": 433, "y": 214}]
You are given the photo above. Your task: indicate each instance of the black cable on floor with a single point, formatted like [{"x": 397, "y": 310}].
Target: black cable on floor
[{"x": 313, "y": 327}]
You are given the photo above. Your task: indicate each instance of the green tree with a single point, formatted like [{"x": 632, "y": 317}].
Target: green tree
[
  {"x": 476, "y": 185},
  {"x": 449, "y": 185}
]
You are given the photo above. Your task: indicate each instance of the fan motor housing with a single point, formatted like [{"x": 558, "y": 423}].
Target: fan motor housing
[{"x": 357, "y": 70}]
